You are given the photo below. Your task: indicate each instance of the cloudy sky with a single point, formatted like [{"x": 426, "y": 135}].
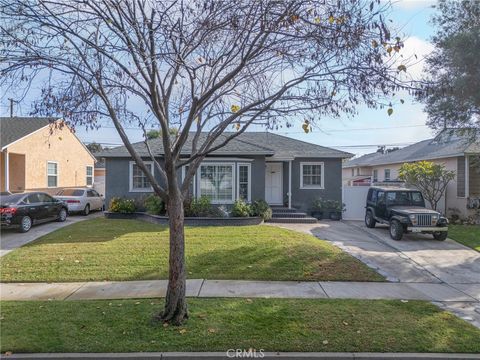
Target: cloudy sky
[{"x": 358, "y": 135}]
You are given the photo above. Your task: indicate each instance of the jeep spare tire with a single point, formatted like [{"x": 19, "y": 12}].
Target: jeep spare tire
[{"x": 396, "y": 230}]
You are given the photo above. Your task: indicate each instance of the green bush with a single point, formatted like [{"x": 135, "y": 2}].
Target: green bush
[
  {"x": 262, "y": 209},
  {"x": 201, "y": 207},
  {"x": 154, "y": 205},
  {"x": 121, "y": 205},
  {"x": 241, "y": 209}
]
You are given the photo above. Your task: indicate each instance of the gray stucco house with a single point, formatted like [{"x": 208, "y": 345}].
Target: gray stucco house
[{"x": 255, "y": 165}]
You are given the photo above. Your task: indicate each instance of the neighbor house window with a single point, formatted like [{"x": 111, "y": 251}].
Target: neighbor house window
[
  {"x": 52, "y": 174},
  {"x": 387, "y": 174},
  {"x": 138, "y": 180},
  {"x": 311, "y": 175},
  {"x": 244, "y": 182},
  {"x": 216, "y": 182},
  {"x": 375, "y": 175},
  {"x": 89, "y": 175}
]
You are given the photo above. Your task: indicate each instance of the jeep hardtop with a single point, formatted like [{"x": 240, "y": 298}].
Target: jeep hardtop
[{"x": 404, "y": 211}]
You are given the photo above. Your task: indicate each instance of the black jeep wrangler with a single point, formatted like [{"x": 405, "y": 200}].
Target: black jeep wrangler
[{"x": 404, "y": 210}]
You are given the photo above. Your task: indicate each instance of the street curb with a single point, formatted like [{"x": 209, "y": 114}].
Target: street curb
[{"x": 245, "y": 354}]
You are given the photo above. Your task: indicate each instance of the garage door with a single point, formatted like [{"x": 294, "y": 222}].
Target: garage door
[{"x": 354, "y": 198}]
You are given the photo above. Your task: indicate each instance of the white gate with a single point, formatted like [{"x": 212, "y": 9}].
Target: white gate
[{"x": 354, "y": 198}]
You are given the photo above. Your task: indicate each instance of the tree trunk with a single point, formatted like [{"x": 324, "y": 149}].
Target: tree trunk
[{"x": 175, "y": 311}]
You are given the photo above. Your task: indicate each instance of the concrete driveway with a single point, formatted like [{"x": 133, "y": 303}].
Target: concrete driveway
[
  {"x": 11, "y": 239},
  {"x": 416, "y": 258}
]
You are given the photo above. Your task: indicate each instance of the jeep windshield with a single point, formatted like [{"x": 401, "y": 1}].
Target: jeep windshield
[{"x": 405, "y": 198}]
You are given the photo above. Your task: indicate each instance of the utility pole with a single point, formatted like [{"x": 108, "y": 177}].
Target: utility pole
[{"x": 11, "y": 106}]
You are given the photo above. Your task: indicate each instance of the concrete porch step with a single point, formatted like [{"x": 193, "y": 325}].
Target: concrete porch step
[
  {"x": 289, "y": 215},
  {"x": 281, "y": 209},
  {"x": 293, "y": 220}
]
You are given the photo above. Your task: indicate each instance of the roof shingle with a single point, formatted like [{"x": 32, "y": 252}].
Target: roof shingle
[{"x": 15, "y": 128}]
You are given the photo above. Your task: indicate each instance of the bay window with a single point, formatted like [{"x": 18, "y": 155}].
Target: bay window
[{"x": 216, "y": 182}]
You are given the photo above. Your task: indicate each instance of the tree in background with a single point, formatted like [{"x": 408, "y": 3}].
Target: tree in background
[
  {"x": 153, "y": 134},
  {"x": 452, "y": 91},
  {"x": 208, "y": 68},
  {"x": 94, "y": 147},
  {"x": 430, "y": 178}
]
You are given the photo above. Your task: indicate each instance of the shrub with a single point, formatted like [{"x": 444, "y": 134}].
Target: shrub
[
  {"x": 318, "y": 204},
  {"x": 262, "y": 209},
  {"x": 241, "y": 209},
  {"x": 154, "y": 205},
  {"x": 200, "y": 207},
  {"x": 121, "y": 205}
]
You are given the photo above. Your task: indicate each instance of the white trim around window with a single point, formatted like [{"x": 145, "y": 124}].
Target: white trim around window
[
  {"x": 199, "y": 180},
  {"x": 249, "y": 181},
  {"x": 322, "y": 174},
  {"x": 91, "y": 177},
  {"x": 52, "y": 174},
  {"x": 130, "y": 177}
]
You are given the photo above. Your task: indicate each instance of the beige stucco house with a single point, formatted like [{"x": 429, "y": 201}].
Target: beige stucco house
[
  {"x": 455, "y": 149},
  {"x": 42, "y": 154}
]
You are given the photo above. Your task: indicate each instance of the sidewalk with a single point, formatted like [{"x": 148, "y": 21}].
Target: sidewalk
[{"x": 239, "y": 288}]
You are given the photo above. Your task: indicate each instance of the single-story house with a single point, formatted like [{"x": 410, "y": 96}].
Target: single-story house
[
  {"x": 42, "y": 154},
  {"x": 454, "y": 148},
  {"x": 255, "y": 165}
]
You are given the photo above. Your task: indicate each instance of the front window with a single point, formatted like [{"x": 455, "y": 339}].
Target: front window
[
  {"x": 244, "y": 182},
  {"x": 52, "y": 174},
  {"x": 89, "y": 175},
  {"x": 387, "y": 174},
  {"x": 138, "y": 180},
  {"x": 216, "y": 182},
  {"x": 405, "y": 198},
  {"x": 311, "y": 175}
]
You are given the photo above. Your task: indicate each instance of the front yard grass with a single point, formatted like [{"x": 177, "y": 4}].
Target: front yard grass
[
  {"x": 222, "y": 324},
  {"x": 105, "y": 249},
  {"x": 468, "y": 235}
]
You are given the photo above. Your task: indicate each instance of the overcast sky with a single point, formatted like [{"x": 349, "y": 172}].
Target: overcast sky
[{"x": 358, "y": 135}]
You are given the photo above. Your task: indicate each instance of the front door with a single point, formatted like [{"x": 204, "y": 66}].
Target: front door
[{"x": 274, "y": 183}]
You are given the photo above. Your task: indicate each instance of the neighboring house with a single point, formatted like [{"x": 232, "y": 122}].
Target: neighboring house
[
  {"x": 452, "y": 148},
  {"x": 42, "y": 154},
  {"x": 255, "y": 165},
  {"x": 99, "y": 176}
]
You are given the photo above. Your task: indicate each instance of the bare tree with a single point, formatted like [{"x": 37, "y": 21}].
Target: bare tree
[{"x": 202, "y": 67}]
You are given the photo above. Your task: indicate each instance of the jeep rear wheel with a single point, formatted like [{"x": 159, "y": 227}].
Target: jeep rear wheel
[
  {"x": 440, "y": 235},
  {"x": 396, "y": 230},
  {"x": 369, "y": 220}
]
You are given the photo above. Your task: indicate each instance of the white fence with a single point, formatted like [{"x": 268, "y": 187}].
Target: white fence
[{"x": 354, "y": 198}]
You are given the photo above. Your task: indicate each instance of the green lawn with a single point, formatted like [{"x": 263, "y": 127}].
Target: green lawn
[
  {"x": 468, "y": 235},
  {"x": 102, "y": 249},
  {"x": 221, "y": 324}
]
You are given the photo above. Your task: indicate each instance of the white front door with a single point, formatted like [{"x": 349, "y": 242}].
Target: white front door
[{"x": 274, "y": 183}]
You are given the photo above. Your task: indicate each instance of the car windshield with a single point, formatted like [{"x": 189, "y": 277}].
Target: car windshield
[
  {"x": 11, "y": 199},
  {"x": 71, "y": 192},
  {"x": 405, "y": 198}
]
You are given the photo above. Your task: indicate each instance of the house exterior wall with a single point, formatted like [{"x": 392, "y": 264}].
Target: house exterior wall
[
  {"x": 117, "y": 179},
  {"x": 60, "y": 146}
]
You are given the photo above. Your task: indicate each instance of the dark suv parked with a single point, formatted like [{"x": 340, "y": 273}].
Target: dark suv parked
[
  {"x": 404, "y": 211},
  {"x": 24, "y": 210}
]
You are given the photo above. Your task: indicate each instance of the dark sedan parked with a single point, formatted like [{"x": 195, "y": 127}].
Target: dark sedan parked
[{"x": 24, "y": 210}]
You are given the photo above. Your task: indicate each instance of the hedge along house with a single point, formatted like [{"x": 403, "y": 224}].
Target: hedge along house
[
  {"x": 254, "y": 165},
  {"x": 42, "y": 154}
]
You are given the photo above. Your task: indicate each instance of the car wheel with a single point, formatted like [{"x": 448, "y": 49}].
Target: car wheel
[
  {"x": 440, "y": 235},
  {"x": 369, "y": 220},
  {"x": 86, "y": 211},
  {"x": 25, "y": 224},
  {"x": 396, "y": 230},
  {"x": 62, "y": 215}
]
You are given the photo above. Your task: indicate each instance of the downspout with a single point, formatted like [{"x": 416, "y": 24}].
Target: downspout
[{"x": 289, "y": 184}]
